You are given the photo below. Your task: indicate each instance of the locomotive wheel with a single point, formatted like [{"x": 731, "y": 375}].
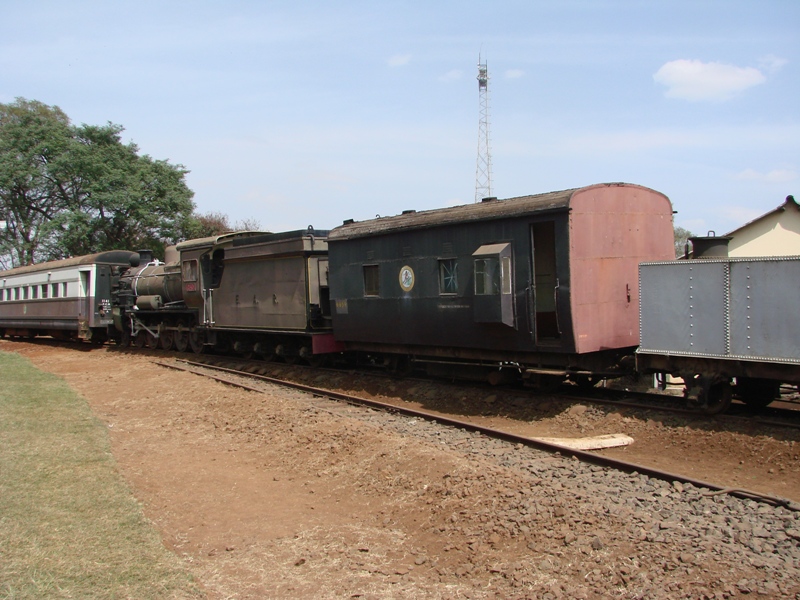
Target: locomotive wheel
[
  {"x": 151, "y": 340},
  {"x": 181, "y": 339},
  {"x": 196, "y": 342},
  {"x": 718, "y": 399},
  {"x": 167, "y": 340},
  {"x": 139, "y": 340}
]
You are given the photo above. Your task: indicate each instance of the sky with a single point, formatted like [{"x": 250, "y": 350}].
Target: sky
[{"x": 296, "y": 113}]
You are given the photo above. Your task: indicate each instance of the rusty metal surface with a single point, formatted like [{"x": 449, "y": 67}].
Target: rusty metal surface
[{"x": 612, "y": 230}]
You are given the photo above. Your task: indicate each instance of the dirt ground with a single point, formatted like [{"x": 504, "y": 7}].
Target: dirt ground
[{"x": 262, "y": 497}]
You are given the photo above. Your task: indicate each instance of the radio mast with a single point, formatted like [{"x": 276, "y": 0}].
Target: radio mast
[{"x": 483, "y": 171}]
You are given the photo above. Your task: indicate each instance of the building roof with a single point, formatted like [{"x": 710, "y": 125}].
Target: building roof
[{"x": 789, "y": 204}]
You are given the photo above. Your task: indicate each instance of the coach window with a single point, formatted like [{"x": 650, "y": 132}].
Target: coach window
[
  {"x": 64, "y": 289},
  {"x": 371, "y": 280},
  {"x": 487, "y": 276},
  {"x": 34, "y": 292},
  {"x": 448, "y": 276},
  {"x": 190, "y": 270},
  {"x": 54, "y": 290},
  {"x": 44, "y": 290},
  {"x": 25, "y": 293}
]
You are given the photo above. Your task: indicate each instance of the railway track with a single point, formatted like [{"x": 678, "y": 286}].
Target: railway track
[{"x": 233, "y": 375}]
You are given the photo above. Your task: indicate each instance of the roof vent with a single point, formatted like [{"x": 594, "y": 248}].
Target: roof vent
[{"x": 489, "y": 199}]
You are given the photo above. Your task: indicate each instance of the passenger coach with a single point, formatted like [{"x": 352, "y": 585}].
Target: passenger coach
[
  {"x": 545, "y": 286},
  {"x": 64, "y": 299}
]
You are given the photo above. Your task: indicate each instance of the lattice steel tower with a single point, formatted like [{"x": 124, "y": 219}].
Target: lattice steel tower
[{"x": 483, "y": 171}]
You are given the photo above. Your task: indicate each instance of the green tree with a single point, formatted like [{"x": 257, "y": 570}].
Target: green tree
[
  {"x": 201, "y": 225},
  {"x": 87, "y": 190},
  {"x": 681, "y": 239},
  {"x": 33, "y": 141}
]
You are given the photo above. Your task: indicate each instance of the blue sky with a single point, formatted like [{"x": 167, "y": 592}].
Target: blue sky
[{"x": 295, "y": 113}]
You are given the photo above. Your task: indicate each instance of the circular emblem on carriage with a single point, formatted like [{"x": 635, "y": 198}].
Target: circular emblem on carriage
[{"x": 406, "y": 278}]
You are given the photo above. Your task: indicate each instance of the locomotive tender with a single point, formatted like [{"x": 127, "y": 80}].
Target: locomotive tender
[{"x": 254, "y": 293}]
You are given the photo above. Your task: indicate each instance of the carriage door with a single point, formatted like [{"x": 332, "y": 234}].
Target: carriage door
[
  {"x": 543, "y": 297},
  {"x": 84, "y": 301}
]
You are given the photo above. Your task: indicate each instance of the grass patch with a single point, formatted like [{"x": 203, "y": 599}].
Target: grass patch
[{"x": 69, "y": 525}]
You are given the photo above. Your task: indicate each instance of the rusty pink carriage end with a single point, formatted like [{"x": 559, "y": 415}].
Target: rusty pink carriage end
[{"x": 613, "y": 228}]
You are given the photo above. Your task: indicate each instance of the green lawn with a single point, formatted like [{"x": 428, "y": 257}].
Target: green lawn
[{"x": 69, "y": 525}]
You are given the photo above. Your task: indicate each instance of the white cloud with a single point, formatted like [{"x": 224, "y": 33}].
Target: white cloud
[
  {"x": 775, "y": 176},
  {"x": 399, "y": 60},
  {"x": 514, "y": 73},
  {"x": 453, "y": 75},
  {"x": 771, "y": 63},
  {"x": 697, "y": 81}
]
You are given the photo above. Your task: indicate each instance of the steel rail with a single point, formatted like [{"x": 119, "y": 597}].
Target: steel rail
[{"x": 549, "y": 447}]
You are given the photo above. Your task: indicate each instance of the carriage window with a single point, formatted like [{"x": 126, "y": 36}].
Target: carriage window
[
  {"x": 25, "y": 293},
  {"x": 44, "y": 290},
  {"x": 34, "y": 292},
  {"x": 487, "y": 276},
  {"x": 17, "y": 294},
  {"x": 54, "y": 289},
  {"x": 371, "y": 280},
  {"x": 190, "y": 270},
  {"x": 64, "y": 289},
  {"x": 448, "y": 276}
]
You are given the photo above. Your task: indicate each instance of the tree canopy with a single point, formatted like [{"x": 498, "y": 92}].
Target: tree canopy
[
  {"x": 681, "y": 239},
  {"x": 69, "y": 190}
]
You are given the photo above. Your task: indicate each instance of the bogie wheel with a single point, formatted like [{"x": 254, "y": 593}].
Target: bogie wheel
[
  {"x": 140, "y": 339},
  {"x": 400, "y": 366},
  {"x": 757, "y": 393},
  {"x": 587, "y": 382},
  {"x": 167, "y": 340},
  {"x": 718, "y": 398},
  {"x": 196, "y": 342}
]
